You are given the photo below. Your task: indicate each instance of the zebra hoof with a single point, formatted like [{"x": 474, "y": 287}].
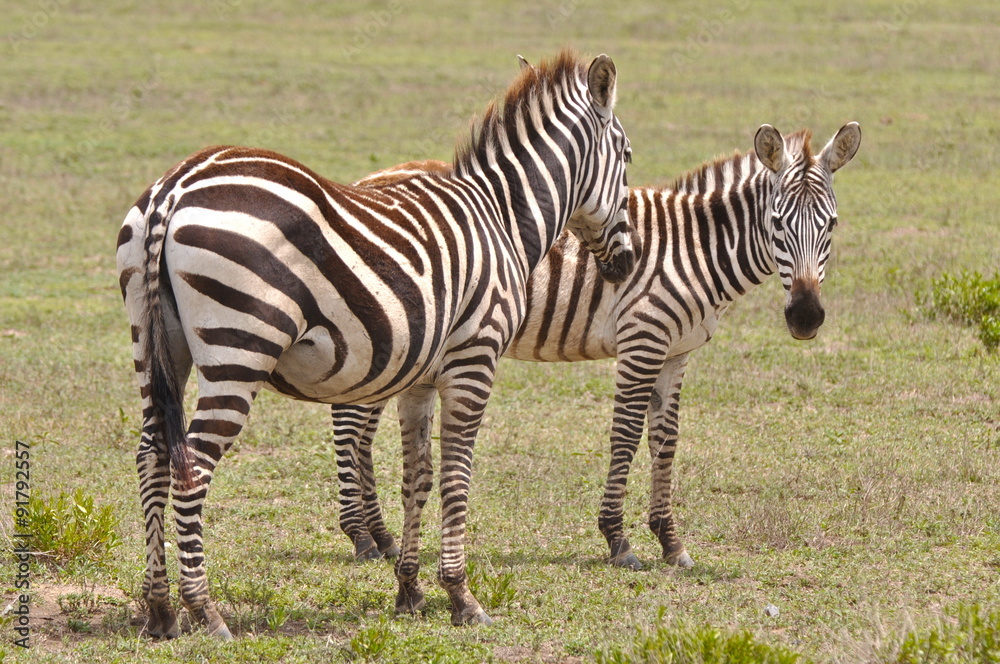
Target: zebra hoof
[
  {"x": 410, "y": 600},
  {"x": 208, "y": 616},
  {"x": 162, "y": 622},
  {"x": 470, "y": 616},
  {"x": 627, "y": 561},
  {"x": 365, "y": 548},
  {"x": 221, "y": 632},
  {"x": 622, "y": 556},
  {"x": 386, "y": 544},
  {"x": 682, "y": 560}
]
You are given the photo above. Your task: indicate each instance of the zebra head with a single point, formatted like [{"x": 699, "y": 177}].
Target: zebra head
[
  {"x": 601, "y": 221},
  {"x": 801, "y": 215}
]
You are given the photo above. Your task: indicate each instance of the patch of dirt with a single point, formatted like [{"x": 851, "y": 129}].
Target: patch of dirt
[
  {"x": 62, "y": 615},
  {"x": 545, "y": 653}
]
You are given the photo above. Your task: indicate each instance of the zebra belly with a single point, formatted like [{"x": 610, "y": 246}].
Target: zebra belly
[
  {"x": 700, "y": 334},
  {"x": 315, "y": 369}
]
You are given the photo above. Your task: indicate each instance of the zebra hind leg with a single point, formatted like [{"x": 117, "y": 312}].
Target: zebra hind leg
[
  {"x": 350, "y": 425},
  {"x": 416, "y": 416},
  {"x": 153, "y": 465},
  {"x": 387, "y": 546},
  {"x": 219, "y": 417}
]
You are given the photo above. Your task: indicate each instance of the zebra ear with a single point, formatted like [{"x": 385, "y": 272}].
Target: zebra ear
[
  {"x": 524, "y": 63},
  {"x": 842, "y": 147},
  {"x": 602, "y": 82},
  {"x": 770, "y": 147}
]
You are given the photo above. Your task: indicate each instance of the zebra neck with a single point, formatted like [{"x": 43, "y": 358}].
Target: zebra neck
[
  {"x": 533, "y": 202},
  {"x": 731, "y": 226},
  {"x": 758, "y": 227}
]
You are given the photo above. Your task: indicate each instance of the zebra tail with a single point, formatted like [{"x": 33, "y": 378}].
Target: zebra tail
[{"x": 164, "y": 383}]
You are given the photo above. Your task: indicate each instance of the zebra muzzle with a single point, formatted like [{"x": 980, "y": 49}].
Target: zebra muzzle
[
  {"x": 804, "y": 313},
  {"x": 619, "y": 267}
]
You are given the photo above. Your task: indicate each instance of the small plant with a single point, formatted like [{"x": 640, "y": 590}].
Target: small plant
[
  {"x": 968, "y": 299},
  {"x": 69, "y": 527},
  {"x": 371, "y": 642},
  {"x": 79, "y": 605},
  {"x": 494, "y": 592},
  {"x": 277, "y": 618},
  {"x": 79, "y": 626},
  {"x": 680, "y": 643},
  {"x": 251, "y": 602},
  {"x": 965, "y": 634}
]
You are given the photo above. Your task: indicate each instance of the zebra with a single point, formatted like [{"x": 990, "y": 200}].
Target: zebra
[
  {"x": 259, "y": 273},
  {"x": 716, "y": 233}
]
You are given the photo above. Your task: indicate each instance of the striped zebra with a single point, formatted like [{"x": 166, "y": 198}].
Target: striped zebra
[
  {"x": 260, "y": 273},
  {"x": 711, "y": 237}
]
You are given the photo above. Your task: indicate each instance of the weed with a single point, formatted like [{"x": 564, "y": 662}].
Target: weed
[
  {"x": 492, "y": 591},
  {"x": 78, "y": 625},
  {"x": 277, "y": 618},
  {"x": 80, "y": 604},
  {"x": 70, "y": 528},
  {"x": 969, "y": 299},
  {"x": 966, "y": 634},
  {"x": 251, "y": 602},
  {"x": 371, "y": 643},
  {"x": 677, "y": 642}
]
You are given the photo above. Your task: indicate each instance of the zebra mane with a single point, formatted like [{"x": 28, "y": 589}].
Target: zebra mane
[
  {"x": 498, "y": 123},
  {"x": 727, "y": 170}
]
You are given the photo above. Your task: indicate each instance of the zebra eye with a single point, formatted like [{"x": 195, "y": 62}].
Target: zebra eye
[
  {"x": 776, "y": 222},
  {"x": 833, "y": 223}
]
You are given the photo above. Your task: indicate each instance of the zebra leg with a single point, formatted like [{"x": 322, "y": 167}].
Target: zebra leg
[
  {"x": 416, "y": 417},
  {"x": 350, "y": 425},
  {"x": 634, "y": 384},
  {"x": 153, "y": 465},
  {"x": 372, "y": 510},
  {"x": 664, "y": 407},
  {"x": 462, "y": 408},
  {"x": 218, "y": 419}
]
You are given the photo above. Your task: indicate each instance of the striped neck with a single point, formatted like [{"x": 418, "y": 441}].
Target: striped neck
[{"x": 528, "y": 153}]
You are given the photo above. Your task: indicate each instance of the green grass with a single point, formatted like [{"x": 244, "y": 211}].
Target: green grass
[{"x": 852, "y": 481}]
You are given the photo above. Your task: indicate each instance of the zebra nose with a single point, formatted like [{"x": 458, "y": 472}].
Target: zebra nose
[
  {"x": 619, "y": 267},
  {"x": 804, "y": 313}
]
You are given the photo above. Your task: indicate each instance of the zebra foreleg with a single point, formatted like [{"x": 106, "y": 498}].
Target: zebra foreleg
[
  {"x": 634, "y": 384},
  {"x": 153, "y": 465},
  {"x": 416, "y": 417},
  {"x": 462, "y": 408},
  {"x": 664, "y": 417},
  {"x": 350, "y": 428}
]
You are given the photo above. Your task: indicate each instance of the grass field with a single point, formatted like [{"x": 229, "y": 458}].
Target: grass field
[{"x": 852, "y": 481}]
